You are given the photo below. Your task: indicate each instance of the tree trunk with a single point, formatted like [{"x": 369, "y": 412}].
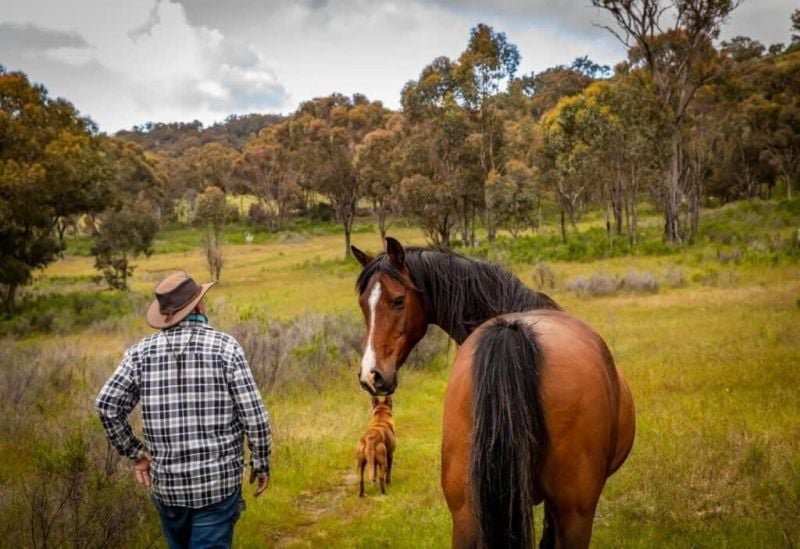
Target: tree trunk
[
  {"x": 472, "y": 226},
  {"x": 8, "y": 294},
  {"x": 563, "y": 226},
  {"x": 382, "y": 223},
  {"x": 672, "y": 206}
]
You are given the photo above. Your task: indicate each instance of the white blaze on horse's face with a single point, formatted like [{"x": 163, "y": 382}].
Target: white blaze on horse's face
[{"x": 368, "y": 361}]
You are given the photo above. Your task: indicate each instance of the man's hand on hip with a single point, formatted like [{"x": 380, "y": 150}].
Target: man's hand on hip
[
  {"x": 263, "y": 482},
  {"x": 141, "y": 470}
]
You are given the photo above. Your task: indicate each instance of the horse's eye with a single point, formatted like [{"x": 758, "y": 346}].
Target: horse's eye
[{"x": 398, "y": 302}]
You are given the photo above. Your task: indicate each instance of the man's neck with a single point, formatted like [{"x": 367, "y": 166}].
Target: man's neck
[{"x": 197, "y": 317}]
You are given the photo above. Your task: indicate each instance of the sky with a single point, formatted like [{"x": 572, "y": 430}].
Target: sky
[{"x": 126, "y": 62}]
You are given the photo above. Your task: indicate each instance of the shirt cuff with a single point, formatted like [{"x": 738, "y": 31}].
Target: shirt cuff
[
  {"x": 259, "y": 467},
  {"x": 136, "y": 452}
]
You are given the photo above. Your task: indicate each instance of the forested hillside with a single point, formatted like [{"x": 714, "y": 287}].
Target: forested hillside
[{"x": 477, "y": 152}]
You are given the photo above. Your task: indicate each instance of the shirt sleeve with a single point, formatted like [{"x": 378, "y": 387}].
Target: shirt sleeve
[
  {"x": 113, "y": 405},
  {"x": 251, "y": 411}
]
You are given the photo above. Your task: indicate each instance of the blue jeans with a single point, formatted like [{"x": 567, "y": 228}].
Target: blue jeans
[{"x": 207, "y": 527}]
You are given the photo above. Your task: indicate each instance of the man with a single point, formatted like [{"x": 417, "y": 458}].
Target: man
[{"x": 198, "y": 400}]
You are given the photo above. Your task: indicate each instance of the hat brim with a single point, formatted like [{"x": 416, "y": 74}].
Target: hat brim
[{"x": 156, "y": 320}]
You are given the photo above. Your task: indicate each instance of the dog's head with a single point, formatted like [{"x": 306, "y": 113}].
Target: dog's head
[{"x": 382, "y": 407}]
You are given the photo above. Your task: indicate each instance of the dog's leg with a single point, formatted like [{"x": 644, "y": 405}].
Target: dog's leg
[
  {"x": 389, "y": 458},
  {"x": 381, "y": 463},
  {"x": 361, "y": 482},
  {"x": 361, "y": 464}
]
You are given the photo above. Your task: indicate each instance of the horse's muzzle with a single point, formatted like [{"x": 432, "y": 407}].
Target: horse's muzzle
[{"x": 379, "y": 386}]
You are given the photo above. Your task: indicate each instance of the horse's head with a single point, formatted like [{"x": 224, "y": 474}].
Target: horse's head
[{"x": 394, "y": 313}]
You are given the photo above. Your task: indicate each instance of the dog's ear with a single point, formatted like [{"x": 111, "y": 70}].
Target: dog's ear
[
  {"x": 388, "y": 401},
  {"x": 375, "y": 401}
]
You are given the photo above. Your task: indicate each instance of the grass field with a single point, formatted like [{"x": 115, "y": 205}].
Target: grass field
[{"x": 712, "y": 359}]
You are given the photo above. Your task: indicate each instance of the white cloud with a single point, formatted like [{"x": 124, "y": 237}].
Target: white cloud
[
  {"x": 155, "y": 65},
  {"x": 129, "y": 61}
]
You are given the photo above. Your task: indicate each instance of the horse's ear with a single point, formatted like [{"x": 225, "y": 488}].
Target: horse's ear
[
  {"x": 360, "y": 256},
  {"x": 395, "y": 251}
]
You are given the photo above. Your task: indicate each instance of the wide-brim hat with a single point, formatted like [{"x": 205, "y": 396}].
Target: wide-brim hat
[{"x": 176, "y": 297}]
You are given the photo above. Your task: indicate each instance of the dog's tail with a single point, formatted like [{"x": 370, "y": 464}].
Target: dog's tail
[{"x": 509, "y": 434}]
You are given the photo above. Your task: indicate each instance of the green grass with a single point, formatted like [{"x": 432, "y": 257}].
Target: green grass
[{"x": 713, "y": 366}]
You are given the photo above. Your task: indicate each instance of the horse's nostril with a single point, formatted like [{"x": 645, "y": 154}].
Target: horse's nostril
[{"x": 377, "y": 378}]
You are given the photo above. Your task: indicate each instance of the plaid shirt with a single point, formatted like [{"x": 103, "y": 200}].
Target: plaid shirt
[{"x": 198, "y": 400}]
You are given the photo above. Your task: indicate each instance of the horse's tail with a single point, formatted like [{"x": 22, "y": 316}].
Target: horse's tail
[{"x": 509, "y": 434}]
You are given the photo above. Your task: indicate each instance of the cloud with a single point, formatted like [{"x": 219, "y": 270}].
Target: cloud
[
  {"x": 128, "y": 61},
  {"x": 30, "y": 38},
  {"x": 146, "y": 61},
  {"x": 375, "y": 46}
]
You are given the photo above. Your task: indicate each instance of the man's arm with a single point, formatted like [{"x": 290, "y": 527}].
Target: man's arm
[
  {"x": 113, "y": 404},
  {"x": 251, "y": 411}
]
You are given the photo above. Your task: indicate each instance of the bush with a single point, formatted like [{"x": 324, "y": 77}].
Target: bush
[
  {"x": 643, "y": 282},
  {"x": 543, "y": 276},
  {"x": 310, "y": 349},
  {"x": 435, "y": 343},
  {"x": 77, "y": 494},
  {"x": 594, "y": 286},
  {"x": 729, "y": 256},
  {"x": 674, "y": 276},
  {"x": 68, "y": 487},
  {"x": 64, "y": 313}
]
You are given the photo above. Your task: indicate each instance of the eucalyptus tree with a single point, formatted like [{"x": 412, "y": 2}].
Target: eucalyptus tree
[
  {"x": 673, "y": 43},
  {"x": 328, "y": 132},
  {"x": 52, "y": 166},
  {"x": 379, "y": 161}
]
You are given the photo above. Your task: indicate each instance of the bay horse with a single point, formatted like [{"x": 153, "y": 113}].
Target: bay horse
[{"x": 535, "y": 409}]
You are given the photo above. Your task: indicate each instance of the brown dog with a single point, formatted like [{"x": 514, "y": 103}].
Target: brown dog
[{"x": 376, "y": 447}]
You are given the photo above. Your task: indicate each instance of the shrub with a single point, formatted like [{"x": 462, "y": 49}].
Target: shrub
[
  {"x": 640, "y": 282},
  {"x": 64, "y": 313},
  {"x": 69, "y": 488},
  {"x": 729, "y": 256},
  {"x": 543, "y": 276},
  {"x": 78, "y": 494},
  {"x": 435, "y": 342},
  {"x": 594, "y": 286},
  {"x": 674, "y": 276},
  {"x": 309, "y": 349}
]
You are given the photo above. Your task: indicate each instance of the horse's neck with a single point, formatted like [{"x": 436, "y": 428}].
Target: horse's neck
[{"x": 474, "y": 311}]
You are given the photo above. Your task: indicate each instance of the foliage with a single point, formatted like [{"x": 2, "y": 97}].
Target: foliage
[
  {"x": 51, "y": 168},
  {"x": 63, "y": 313},
  {"x": 212, "y": 212},
  {"x": 678, "y": 60},
  {"x": 512, "y": 199},
  {"x": 122, "y": 235}
]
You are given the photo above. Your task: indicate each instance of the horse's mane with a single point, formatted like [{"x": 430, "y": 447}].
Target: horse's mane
[{"x": 459, "y": 293}]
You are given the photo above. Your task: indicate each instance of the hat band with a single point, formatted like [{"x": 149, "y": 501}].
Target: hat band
[{"x": 175, "y": 300}]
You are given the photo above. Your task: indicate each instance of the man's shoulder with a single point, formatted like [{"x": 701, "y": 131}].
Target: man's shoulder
[
  {"x": 206, "y": 336},
  {"x": 225, "y": 340}
]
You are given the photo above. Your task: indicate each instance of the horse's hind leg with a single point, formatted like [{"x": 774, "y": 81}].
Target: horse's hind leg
[
  {"x": 575, "y": 530},
  {"x": 548, "y": 540}
]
